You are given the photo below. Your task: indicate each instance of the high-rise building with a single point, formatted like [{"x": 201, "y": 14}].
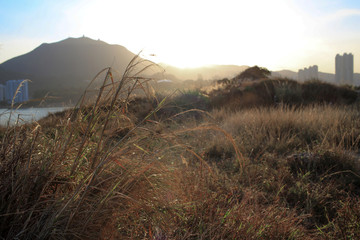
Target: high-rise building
[
  {"x": 308, "y": 73},
  {"x": 344, "y": 69},
  {"x": 11, "y": 88}
]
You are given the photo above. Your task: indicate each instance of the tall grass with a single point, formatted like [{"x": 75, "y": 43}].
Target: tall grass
[
  {"x": 302, "y": 158},
  {"x": 64, "y": 177},
  {"x": 287, "y": 129},
  {"x": 124, "y": 166}
]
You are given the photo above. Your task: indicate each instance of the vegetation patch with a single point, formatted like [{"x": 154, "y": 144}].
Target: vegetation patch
[{"x": 265, "y": 159}]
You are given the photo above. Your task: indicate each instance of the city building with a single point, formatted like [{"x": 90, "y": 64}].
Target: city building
[
  {"x": 308, "y": 73},
  {"x": 344, "y": 69},
  {"x": 11, "y": 88}
]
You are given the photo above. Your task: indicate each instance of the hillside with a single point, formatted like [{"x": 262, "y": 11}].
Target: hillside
[
  {"x": 285, "y": 74},
  {"x": 65, "y": 68},
  {"x": 8, "y": 75},
  {"x": 69, "y": 63}
]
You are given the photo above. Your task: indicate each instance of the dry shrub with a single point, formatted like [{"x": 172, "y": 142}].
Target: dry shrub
[
  {"x": 269, "y": 92},
  {"x": 321, "y": 92}
]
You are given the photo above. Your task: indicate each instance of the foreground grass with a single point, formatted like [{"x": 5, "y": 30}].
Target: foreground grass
[{"x": 127, "y": 170}]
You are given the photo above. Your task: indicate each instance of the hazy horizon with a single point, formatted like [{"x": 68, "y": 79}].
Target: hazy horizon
[{"x": 277, "y": 35}]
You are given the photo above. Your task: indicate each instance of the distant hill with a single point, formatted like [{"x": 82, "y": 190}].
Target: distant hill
[
  {"x": 285, "y": 74},
  {"x": 327, "y": 77},
  {"x": 73, "y": 62},
  {"x": 210, "y": 72},
  {"x": 65, "y": 64}
]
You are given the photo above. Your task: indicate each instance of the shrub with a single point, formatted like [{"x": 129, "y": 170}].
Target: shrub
[
  {"x": 320, "y": 92},
  {"x": 270, "y": 92}
]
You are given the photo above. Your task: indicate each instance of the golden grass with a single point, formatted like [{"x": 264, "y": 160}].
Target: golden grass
[
  {"x": 286, "y": 129},
  {"x": 118, "y": 167}
]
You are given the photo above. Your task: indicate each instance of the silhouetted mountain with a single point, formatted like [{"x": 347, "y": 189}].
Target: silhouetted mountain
[
  {"x": 284, "y": 74},
  {"x": 9, "y": 75},
  {"x": 68, "y": 63},
  {"x": 327, "y": 77}
]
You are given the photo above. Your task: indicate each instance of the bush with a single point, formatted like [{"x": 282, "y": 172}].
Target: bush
[
  {"x": 271, "y": 92},
  {"x": 320, "y": 92}
]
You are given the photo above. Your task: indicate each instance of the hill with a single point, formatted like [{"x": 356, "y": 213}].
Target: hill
[
  {"x": 66, "y": 64},
  {"x": 65, "y": 68},
  {"x": 285, "y": 74},
  {"x": 7, "y": 75},
  {"x": 209, "y": 72}
]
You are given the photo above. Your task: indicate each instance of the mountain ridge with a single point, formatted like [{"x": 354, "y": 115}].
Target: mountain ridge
[{"x": 72, "y": 62}]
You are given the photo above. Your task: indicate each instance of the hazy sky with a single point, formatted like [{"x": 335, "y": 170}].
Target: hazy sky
[{"x": 277, "y": 34}]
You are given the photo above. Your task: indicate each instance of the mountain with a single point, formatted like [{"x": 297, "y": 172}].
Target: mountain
[
  {"x": 69, "y": 63},
  {"x": 327, "y": 77},
  {"x": 67, "y": 66},
  {"x": 285, "y": 74},
  {"x": 7, "y": 75},
  {"x": 210, "y": 72},
  {"x": 73, "y": 62}
]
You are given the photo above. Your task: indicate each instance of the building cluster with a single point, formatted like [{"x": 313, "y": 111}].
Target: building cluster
[
  {"x": 344, "y": 69},
  {"x": 15, "y": 89},
  {"x": 308, "y": 73}
]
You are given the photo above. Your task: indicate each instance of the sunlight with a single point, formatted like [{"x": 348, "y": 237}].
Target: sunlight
[{"x": 192, "y": 34}]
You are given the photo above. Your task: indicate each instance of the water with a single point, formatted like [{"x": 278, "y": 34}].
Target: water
[{"x": 26, "y": 115}]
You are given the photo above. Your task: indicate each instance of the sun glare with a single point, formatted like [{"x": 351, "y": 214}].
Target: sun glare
[{"x": 196, "y": 33}]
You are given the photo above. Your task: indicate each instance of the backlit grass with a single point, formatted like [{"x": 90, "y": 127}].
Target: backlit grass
[{"x": 124, "y": 166}]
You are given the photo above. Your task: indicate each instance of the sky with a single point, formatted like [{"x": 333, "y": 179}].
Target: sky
[{"x": 276, "y": 34}]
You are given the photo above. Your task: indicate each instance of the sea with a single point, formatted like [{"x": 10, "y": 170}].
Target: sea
[{"x": 26, "y": 115}]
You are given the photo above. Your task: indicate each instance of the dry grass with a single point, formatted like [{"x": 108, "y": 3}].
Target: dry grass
[
  {"x": 287, "y": 129},
  {"x": 120, "y": 166},
  {"x": 75, "y": 167}
]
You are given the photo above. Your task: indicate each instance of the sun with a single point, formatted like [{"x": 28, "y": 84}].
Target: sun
[
  {"x": 190, "y": 34},
  {"x": 182, "y": 60}
]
